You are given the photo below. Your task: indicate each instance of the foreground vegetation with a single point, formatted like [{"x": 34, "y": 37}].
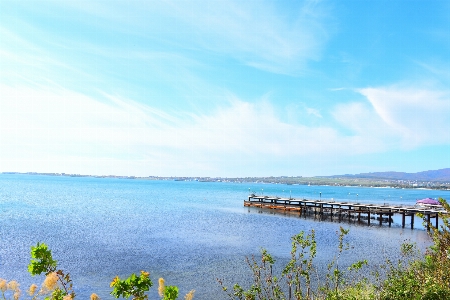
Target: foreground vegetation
[{"x": 414, "y": 276}]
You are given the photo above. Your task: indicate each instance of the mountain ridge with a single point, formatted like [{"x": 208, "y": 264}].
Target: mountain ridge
[{"x": 440, "y": 175}]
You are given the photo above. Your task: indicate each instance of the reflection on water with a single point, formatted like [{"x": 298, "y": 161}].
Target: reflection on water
[{"x": 190, "y": 233}]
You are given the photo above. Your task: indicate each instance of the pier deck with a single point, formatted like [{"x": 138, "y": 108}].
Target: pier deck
[{"x": 346, "y": 209}]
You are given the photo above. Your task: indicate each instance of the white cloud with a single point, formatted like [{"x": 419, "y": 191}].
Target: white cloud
[
  {"x": 62, "y": 131},
  {"x": 257, "y": 33},
  {"x": 314, "y": 112},
  {"x": 397, "y": 118},
  {"x": 262, "y": 34},
  {"x": 57, "y": 130},
  {"x": 418, "y": 116}
]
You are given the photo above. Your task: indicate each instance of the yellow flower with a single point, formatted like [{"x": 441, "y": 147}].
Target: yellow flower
[
  {"x": 13, "y": 285},
  {"x": 190, "y": 295},
  {"x": 114, "y": 281},
  {"x": 146, "y": 274},
  {"x": 32, "y": 289},
  {"x": 16, "y": 295},
  {"x": 67, "y": 297},
  {"x": 51, "y": 281},
  {"x": 161, "y": 287},
  {"x": 3, "y": 285},
  {"x": 95, "y": 297}
]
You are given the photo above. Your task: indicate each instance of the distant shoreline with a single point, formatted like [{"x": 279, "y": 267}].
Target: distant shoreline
[{"x": 293, "y": 180}]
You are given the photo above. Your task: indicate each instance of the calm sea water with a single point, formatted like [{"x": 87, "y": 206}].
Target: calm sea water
[{"x": 190, "y": 233}]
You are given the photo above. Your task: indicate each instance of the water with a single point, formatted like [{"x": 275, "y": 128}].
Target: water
[{"x": 190, "y": 233}]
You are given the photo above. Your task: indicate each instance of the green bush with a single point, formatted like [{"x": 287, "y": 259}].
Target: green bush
[
  {"x": 414, "y": 276},
  {"x": 427, "y": 277},
  {"x": 295, "y": 281},
  {"x": 58, "y": 285}
]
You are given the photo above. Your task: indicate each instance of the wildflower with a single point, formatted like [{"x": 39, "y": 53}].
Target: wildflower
[
  {"x": 16, "y": 295},
  {"x": 32, "y": 289},
  {"x": 67, "y": 297},
  {"x": 145, "y": 274},
  {"x": 94, "y": 296},
  {"x": 13, "y": 285},
  {"x": 190, "y": 295},
  {"x": 51, "y": 281},
  {"x": 161, "y": 287},
  {"x": 114, "y": 281},
  {"x": 3, "y": 285}
]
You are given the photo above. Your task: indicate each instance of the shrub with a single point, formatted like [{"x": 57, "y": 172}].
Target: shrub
[
  {"x": 414, "y": 276},
  {"x": 427, "y": 277},
  {"x": 58, "y": 285},
  {"x": 295, "y": 281}
]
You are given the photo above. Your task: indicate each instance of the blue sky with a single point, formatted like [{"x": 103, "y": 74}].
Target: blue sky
[{"x": 224, "y": 88}]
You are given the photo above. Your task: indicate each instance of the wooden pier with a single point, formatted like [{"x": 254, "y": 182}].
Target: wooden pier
[{"x": 346, "y": 209}]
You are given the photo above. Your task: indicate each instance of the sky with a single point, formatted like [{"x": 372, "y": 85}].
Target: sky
[{"x": 224, "y": 88}]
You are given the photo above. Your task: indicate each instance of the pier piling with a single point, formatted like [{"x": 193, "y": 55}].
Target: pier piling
[{"x": 324, "y": 208}]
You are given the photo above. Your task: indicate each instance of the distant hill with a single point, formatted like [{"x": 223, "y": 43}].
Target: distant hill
[{"x": 442, "y": 175}]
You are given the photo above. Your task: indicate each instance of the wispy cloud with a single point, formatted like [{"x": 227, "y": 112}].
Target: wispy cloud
[
  {"x": 417, "y": 115},
  {"x": 62, "y": 128},
  {"x": 314, "y": 112},
  {"x": 163, "y": 78},
  {"x": 398, "y": 116},
  {"x": 259, "y": 34},
  {"x": 436, "y": 69},
  {"x": 364, "y": 127},
  {"x": 199, "y": 88}
]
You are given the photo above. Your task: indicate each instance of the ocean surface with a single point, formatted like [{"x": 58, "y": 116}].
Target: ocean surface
[{"x": 188, "y": 232}]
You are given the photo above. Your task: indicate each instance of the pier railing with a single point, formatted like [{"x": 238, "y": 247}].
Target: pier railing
[{"x": 347, "y": 209}]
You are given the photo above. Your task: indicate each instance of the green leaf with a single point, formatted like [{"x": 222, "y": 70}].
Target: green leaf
[
  {"x": 41, "y": 260},
  {"x": 170, "y": 293}
]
